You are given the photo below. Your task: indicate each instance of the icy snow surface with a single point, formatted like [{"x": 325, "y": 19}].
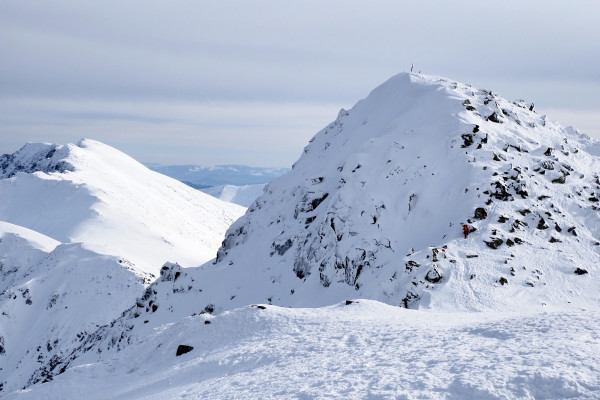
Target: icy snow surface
[{"x": 373, "y": 210}]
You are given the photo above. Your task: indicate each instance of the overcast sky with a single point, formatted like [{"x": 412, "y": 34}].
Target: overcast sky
[{"x": 250, "y": 82}]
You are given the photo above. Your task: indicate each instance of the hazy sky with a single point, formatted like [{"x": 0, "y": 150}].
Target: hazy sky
[{"x": 250, "y": 82}]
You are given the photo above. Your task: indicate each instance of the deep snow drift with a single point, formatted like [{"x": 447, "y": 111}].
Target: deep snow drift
[
  {"x": 374, "y": 210},
  {"x": 93, "y": 194}
]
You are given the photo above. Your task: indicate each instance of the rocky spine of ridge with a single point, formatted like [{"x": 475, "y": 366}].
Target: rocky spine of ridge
[{"x": 35, "y": 157}]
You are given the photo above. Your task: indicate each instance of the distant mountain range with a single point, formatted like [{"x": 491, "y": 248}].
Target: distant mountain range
[{"x": 200, "y": 177}]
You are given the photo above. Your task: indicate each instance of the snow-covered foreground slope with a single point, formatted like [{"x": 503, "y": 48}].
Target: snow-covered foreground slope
[
  {"x": 240, "y": 195},
  {"x": 93, "y": 194},
  {"x": 51, "y": 296},
  {"x": 362, "y": 350}
]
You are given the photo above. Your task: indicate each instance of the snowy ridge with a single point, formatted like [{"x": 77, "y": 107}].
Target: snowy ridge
[
  {"x": 51, "y": 296},
  {"x": 382, "y": 190},
  {"x": 83, "y": 229},
  {"x": 35, "y": 157},
  {"x": 102, "y": 198},
  {"x": 374, "y": 210}
]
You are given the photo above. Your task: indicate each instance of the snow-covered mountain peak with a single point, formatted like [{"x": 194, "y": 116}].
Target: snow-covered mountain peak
[
  {"x": 96, "y": 195},
  {"x": 380, "y": 192}
]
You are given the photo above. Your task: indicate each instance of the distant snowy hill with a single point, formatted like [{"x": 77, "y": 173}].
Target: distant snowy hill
[
  {"x": 202, "y": 177},
  {"x": 83, "y": 229},
  {"x": 93, "y": 194},
  {"x": 51, "y": 296},
  {"x": 374, "y": 210},
  {"x": 241, "y": 195}
]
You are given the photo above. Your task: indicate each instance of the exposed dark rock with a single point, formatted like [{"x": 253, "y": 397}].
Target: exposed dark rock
[
  {"x": 467, "y": 138},
  {"x": 410, "y": 299},
  {"x": 182, "y": 349},
  {"x": 480, "y": 213},
  {"x": 434, "y": 275},
  {"x": 503, "y": 281},
  {"x": 542, "y": 224},
  {"x": 494, "y": 243},
  {"x": 209, "y": 308},
  {"x": 557, "y": 228},
  {"x": 283, "y": 247},
  {"x": 494, "y": 118},
  {"x": 410, "y": 264},
  {"x": 580, "y": 271}
]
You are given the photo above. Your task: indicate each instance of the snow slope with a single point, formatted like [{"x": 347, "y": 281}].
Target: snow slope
[
  {"x": 51, "y": 296},
  {"x": 374, "y": 210},
  {"x": 377, "y": 195},
  {"x": 92, "y": 194},
  {"x": 365, "y": 350},
  {"x": 241, "y": 195}
]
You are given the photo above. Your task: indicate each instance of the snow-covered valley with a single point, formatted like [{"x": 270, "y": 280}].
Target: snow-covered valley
[{"x": 348, "y": 277}]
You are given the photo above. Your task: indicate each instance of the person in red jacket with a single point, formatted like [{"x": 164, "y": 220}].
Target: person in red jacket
[{"x": 466, "y": 230}]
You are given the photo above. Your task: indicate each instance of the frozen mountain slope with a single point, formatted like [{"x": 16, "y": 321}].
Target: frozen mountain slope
[
  {"x": 375, "y": 206},
  {"x": 94, "y": 194},
  {"x": 51, "y": 296}
]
